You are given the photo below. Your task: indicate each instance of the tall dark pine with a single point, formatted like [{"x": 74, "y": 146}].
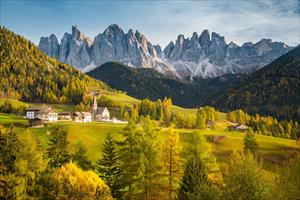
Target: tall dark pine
[
  {"x": 80, "y": 158},
  {"x": 109, "y": 167},
  {"x": 58, "y": 148},
  {"x": 194, "y": 183}
]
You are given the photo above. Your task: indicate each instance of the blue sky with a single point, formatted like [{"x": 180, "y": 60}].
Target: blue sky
[{"x": 160, "y": 21}]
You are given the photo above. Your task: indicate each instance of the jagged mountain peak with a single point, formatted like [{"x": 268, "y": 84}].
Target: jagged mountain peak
[
  {"x": 205, "y": 55},
  {"x": 113, "y": 29}
]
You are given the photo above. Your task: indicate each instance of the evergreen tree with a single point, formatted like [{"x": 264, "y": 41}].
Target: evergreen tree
[
  {"x": 244, "y": 180},
  {"x": 58, "y": 148},
  {"x": 81, "y": 159},
  {"x": 195, "y": 183},
  {"x": 150, "y": 182},
  {"x": 130, "y": 157},
  {"x": 172, "y": 162},
  {"x": 201, "y": 118},
  {"x": 108, "y": 166},
  {"x": 250, "y": 143},
  {"x": 9, "y": 148},
  {"x": 21, "y": 182}
]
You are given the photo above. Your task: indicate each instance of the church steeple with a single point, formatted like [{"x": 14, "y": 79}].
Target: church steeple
[{"x": 95, "y": 104}]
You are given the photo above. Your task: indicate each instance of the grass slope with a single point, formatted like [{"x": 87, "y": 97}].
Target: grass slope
[{"x": 92, "y": 135}]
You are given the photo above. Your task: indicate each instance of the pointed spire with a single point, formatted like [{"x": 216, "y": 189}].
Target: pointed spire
[{"x": 95, "y": 103}]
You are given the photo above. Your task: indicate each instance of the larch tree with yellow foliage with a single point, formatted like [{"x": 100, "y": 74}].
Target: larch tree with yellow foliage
[
  {"x": 172, "y": 163},
  {"x": 71, "y": 182}
]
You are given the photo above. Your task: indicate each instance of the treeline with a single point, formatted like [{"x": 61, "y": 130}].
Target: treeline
[
  {"x": 144, "y": 163},
  {"x": 161, "y": 110},
  {"x": 266, "y": 125},
  {"x": 26, "y": 73}
]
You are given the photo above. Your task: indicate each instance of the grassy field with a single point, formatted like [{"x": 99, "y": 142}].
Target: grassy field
[
  {"x": 91, "y": 136},
  {"x": 12, "y": 119}
]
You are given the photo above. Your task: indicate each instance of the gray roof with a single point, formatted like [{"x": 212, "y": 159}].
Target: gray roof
[
  {"x": 100, "y": 110},
  {"x": 64, "y": 113},
  {"x": 41, "y": 109}
]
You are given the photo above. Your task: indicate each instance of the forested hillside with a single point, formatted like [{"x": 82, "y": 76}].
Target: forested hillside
[
  {"x": 273, "y": 90},
  {"x": 27, "y": 73},
  {"x": 148, "y": 83}
]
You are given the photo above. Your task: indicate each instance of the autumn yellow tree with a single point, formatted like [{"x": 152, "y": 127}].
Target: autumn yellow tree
[
  {"x": 172, "y": 162},
  {"x": 71, "y": 182}
]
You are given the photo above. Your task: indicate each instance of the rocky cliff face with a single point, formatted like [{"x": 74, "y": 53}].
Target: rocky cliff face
[
  {"x": 210, "y": 56},
  {"x": 199, "y": 56}
]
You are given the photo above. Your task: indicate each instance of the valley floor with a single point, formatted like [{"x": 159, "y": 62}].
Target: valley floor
[{"x": 272, "y": 151}]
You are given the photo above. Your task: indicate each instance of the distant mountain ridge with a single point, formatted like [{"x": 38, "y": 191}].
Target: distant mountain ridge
[
  {"x": 205, "y": 55},
  {"x": 148, "y": 83}
]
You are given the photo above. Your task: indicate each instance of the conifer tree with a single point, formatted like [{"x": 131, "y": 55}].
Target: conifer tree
[
  {"x": 80, "y": 158},
  {"x": 108, "y": 166},
  {"x": 201, "y": 119},
  {"x": 9, "y": 148},
  {"x": 195, "y": 183},
  {"x": 150, "y": 182},
  {"x": 250, "y": 143},
  {"x": 58, "y": 148},
  {"x": 244, "y": 180},
  {"x": 172, "y": 162},
  {"x": 130, "y": 157}
]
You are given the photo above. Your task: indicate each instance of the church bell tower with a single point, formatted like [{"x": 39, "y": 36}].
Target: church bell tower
[{"x": 95, "y": 107}]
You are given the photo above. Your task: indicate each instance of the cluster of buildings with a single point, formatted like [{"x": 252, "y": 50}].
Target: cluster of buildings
[{"x": 44, "y": 113}]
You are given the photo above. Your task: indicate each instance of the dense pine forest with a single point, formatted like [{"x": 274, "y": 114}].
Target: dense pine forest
[
  {"x": 26, "y": 73},
  {"x": 148, "y": 83},
  {"x": 273, "y": 90}
]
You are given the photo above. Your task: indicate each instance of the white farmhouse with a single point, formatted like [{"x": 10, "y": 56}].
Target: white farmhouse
[
  {"x": 43, "y": 112},
  {"x": 82, "y": 116}
]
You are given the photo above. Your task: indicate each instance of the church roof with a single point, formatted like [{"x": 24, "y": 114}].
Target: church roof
[{"x": 100, "y": 110}]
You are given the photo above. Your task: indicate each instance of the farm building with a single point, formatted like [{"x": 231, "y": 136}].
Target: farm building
[
  {"x": 43, "y": 112},
  {"x": 64, "y": 116},
  {"x": 82, "y": 116}
]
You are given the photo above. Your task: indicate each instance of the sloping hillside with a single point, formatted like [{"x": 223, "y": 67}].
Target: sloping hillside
[
  {"x": 148, "y": 83},
  {"x": 28, "y": 74},
  {"x": 273, "y": 90}
]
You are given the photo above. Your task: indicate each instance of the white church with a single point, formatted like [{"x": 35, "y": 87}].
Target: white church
[{"x": 100, "y": 113}]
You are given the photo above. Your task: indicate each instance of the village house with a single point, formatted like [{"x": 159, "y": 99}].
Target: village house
[
  {"x": 100, "y": 113},
  {"x": 82, "y": 116},
  {"x": 241, "y": 127},
  {"x": 64, "y": 116},
  {"x": 42, "y": 112}
]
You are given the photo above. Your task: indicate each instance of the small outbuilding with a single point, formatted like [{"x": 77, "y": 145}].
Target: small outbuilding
[{"x": 64, "y": 116}]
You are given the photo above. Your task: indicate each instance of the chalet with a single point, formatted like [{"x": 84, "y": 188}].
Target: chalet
[
  {"x": 82, "y": 116},
  {"x": 42, "y": 112},
  {"x": 64, "y": 116},
  {"x": 241, "y": 127},
  {"x": 87, "y": 116},
  {"x": 100, "y": 113}
]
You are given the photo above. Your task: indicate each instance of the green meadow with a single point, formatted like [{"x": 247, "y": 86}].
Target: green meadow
[{"x": 272, "y": 150}]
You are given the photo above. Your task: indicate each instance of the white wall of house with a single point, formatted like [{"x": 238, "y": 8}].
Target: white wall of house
[
  {"x": 52, "y": 117},
  {"x": 105, "y": 113},
  {"x": 30, "y": 114},
  {"x": 87, "y": 118}
]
